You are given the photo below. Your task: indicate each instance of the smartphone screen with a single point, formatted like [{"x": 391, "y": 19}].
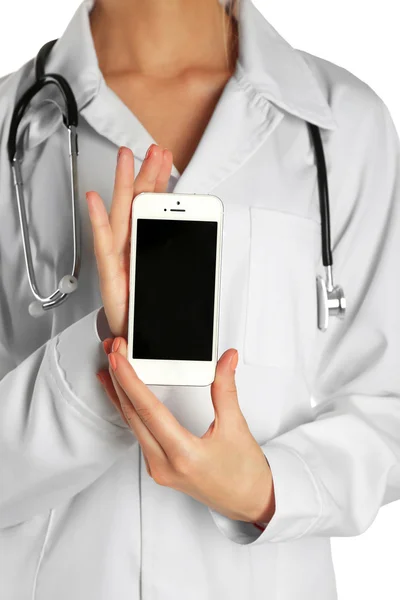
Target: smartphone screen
[{"x": 174, "y": 289}]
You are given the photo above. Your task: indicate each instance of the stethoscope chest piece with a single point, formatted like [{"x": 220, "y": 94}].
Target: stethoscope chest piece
[{"x": 331, "y": 302}]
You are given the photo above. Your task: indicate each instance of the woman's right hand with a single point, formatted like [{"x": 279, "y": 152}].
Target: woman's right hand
[{"x": 112, "y": 233}]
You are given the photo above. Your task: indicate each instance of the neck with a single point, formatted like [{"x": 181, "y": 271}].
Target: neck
[{"x": 163, "y": 38}]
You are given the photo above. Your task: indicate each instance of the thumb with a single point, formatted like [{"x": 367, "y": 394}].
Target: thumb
[{"x": 223, "y": 388}]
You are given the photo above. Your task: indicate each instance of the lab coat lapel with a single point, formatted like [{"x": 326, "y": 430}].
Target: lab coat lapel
[
  {"x": 238, "y": 126},
  {"x": 279, "y": 72},
  {"x": 271, "y": 78}
]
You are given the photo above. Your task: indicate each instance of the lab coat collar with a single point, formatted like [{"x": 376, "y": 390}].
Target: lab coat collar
[
  {"x": 74, "y": 57},
  {"x": 278, "y": 71},
  {"x": 270, "y": 78},
  {"x": 266, "y": 60}
]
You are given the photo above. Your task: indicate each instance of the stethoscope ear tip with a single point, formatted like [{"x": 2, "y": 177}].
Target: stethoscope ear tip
[
  {"x": 36, "y": 309},
  {"x": 68, "y": 284}
]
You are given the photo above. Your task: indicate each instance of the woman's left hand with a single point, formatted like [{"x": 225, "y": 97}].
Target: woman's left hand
[{"x": 224, "y": 469}]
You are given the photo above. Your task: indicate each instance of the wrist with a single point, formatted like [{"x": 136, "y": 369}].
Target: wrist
[{"x": 266, "y": 511}]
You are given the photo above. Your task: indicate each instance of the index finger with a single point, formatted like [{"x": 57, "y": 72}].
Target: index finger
[
  {"x": 122, "y": 199},
  {"x": 170, "y": 434}
]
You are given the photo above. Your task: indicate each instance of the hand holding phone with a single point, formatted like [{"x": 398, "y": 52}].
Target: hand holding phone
[
  {"x": 175, "y": 272},
  {"x": 111, "y": 233}
]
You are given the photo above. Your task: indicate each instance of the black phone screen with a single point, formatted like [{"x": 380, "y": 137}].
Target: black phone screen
[{"x": 174, "y": 289}]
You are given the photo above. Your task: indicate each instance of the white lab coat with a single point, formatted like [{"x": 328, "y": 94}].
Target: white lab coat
[{"x": 80, "y": 518}]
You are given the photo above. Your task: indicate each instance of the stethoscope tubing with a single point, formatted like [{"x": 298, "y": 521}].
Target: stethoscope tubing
[
  {"x": 68, "y": 283},
  {"x": 331, "y": 296}
]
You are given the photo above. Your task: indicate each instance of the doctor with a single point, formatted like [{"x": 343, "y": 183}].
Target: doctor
[{"x": 86, "y": 511}]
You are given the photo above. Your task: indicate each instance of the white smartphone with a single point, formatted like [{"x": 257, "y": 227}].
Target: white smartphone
[{"x": 174, "y": 287}]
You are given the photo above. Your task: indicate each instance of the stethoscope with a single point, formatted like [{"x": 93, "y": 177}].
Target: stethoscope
[{"x": 330, "y": 297}]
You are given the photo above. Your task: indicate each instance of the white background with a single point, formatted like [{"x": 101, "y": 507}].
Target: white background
[{"x": 358, "y": 35}]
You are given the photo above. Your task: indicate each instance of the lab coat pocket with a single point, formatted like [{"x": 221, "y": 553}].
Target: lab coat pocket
[{"x": 281, "y": 316}]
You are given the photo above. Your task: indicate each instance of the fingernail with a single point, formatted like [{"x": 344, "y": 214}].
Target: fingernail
[
  {"x": 89, "y": 201},
  {"x": 100, "y": 378},
  {"x": 234, "y": 361},
  {"x": 107, "y": 343},
  {"x": 149, "y": 151},
  {"x": 119, "y": 152},
  {"x": 116, "y": 344},
  {"x": 112, "y": 361}
]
